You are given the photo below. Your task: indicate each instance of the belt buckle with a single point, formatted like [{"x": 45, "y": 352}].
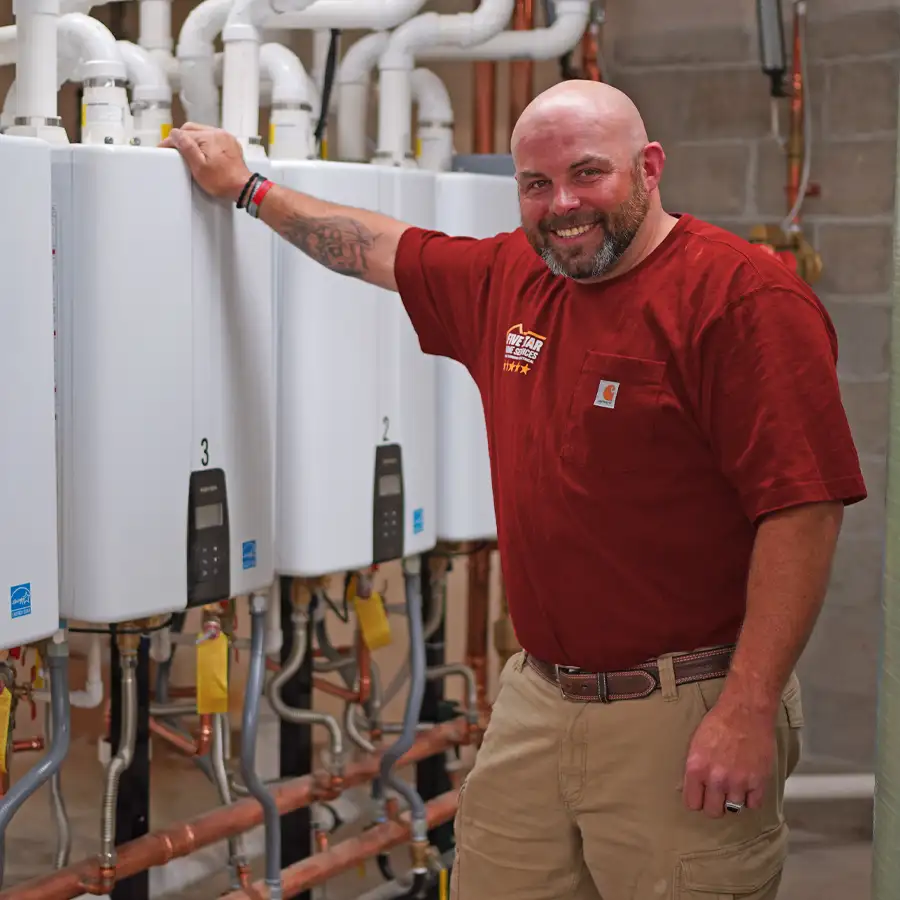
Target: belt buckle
[{"x": 602, "y": 686}]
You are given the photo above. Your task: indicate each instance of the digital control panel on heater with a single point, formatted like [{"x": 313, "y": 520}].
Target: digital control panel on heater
[
  {"x": 209, "y": 570},
  {"x": 388, "y": 530}
]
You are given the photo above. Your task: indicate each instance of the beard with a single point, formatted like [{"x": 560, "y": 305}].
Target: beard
[{"x": 619, "y": 228}]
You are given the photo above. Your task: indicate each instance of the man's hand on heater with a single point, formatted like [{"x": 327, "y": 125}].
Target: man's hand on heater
[{"x": 214, "y": 157}]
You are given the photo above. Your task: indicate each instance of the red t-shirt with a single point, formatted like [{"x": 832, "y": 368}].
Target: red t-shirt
[{"x": 638, "y": 428}]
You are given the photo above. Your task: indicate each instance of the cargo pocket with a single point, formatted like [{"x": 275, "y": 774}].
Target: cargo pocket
[{"x": 748, "y": 871}]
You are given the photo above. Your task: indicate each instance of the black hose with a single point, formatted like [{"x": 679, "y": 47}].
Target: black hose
[{"x": 327, "y": 85}]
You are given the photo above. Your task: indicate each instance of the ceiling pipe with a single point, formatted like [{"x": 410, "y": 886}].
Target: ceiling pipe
[
  {"x": 563, "y": 35},
  {"x": 396, "y": 64},
  {"x": 151, "y": 94},
  {"x": 352, "y": 87},
  {"x": 155, "y": 30},
  {"x": 369, "y": 15},
  {"x": 240, "y": 74},
  {"x": 36, "y": 103}
]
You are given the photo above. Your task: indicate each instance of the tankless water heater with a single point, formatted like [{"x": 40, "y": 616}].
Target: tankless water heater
[
  {"x": 406, "y": 392},
  {"x": 29, "y": 609},
  {"x": 230, "y": 524},
  {"x": 477, "y": 206},
  {"x": 354, "y": 473},
  {"x": 124, "y": 378}
]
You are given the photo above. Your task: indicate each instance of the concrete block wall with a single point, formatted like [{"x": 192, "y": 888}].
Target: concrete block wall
[{"x": 703, "y": 96}]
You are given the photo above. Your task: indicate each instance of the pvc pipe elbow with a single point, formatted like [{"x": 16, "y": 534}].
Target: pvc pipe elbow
[
  {"x": 288, "y": 76},
  {"x": 422, "y": 31},
  {"x": 94, "y": 45},
  {"x": 202, "y": 26},
  {"x": 361, "y": 57},
  {"x": 432, "y": 98},
  {"x": 148, "y": 78},
  {"x": 8, "y": 45}
]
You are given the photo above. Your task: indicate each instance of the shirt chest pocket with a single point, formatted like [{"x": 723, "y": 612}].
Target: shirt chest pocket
[{"x": 613, "y": 414}]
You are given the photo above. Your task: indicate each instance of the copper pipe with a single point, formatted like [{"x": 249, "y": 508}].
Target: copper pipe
[
  {"x": 590, "y": 54},
  {"x": 795, "y": 148},
  {"x": 197, "y": 747},
  {"x": 364, "y": 668},
  {"x": 485, "y": 107},
  {"x": 27, "y": 744},
  {"x": 160, "y": 847},
  {"x": 316, "y": 870},
  {"x": 335, "y": 690},
  {"x": 477, "y": 624},
  {"x": 521, "y": 71}
]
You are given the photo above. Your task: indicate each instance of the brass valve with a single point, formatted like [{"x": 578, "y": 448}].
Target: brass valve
[{"x": 792, "y": 249}]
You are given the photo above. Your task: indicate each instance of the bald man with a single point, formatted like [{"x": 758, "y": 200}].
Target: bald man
[{"x": 670, "y": 467}]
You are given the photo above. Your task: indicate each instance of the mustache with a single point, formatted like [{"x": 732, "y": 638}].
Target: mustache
[{"x": 557, "y": 223}]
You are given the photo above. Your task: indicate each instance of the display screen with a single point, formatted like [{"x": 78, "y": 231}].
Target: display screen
[
  {"x": 208, "y": 516},
  {"x": 389, "y": 485}
]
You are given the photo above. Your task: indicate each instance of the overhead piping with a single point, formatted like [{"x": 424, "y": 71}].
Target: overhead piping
[
  {"x": 521, "y": 71},
  {"x": 197, "y": 60},
  {"x": 397, "y": 62},
  {"x": 434, "y": 121},
  {"x": 541, "y": 43},
  {"x": 151, "y": 94},
  {"x": 372, "y": 15},
  {"x": 353, "y": 85},
  {"x": 290, "y": 119}
]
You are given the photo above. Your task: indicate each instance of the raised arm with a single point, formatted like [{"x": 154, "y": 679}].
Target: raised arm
[{"x": 354, "y": 242}]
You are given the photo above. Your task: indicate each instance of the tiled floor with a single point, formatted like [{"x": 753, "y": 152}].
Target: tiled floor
[{"x": 821, "y": 867}]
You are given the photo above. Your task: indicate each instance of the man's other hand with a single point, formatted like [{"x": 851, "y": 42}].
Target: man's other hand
[
  {"x": 214, "y": 157},
  {"x": 730, "y": 758}
]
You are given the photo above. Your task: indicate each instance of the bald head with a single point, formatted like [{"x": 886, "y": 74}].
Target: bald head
[
  {"x": 587, "y": 177},
  {"x": 573, "y": 106}
]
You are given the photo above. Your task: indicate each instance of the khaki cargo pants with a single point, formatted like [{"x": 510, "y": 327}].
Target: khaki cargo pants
[{"x": 582, "y": 801}]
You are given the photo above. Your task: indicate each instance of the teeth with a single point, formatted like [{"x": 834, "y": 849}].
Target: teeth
[{"x": 573, "y": 232}]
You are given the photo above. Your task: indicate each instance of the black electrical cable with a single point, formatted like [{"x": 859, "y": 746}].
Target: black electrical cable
[{"x": 327, "y": 84}]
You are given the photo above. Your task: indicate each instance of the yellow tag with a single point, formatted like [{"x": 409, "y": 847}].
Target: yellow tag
[
  {"x": 164, "y": 130},
  {"x": 38, "y": 665},
  {"x": 5, "y": 712},
  {"x": 83, "y": 115},
  {"x": 373, "y": 621},
  {"x": 324, "y": 148},
  {"x": 212, "y": 675},
  {"x": 271, "y": 133},
  {"x": 418, "y": 147},
  {"x": 443, "y": 893}
]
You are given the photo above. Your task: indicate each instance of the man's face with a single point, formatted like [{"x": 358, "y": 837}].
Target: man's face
[{"x": 580, "y": 209}]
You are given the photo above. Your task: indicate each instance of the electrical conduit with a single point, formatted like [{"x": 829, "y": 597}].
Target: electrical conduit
[
  {"x": 397, "y": 62},
  {"x": 33, "y": 780}
]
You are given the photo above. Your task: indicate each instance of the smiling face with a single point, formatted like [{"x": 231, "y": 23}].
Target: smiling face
[{"x": 584, "y": 177}]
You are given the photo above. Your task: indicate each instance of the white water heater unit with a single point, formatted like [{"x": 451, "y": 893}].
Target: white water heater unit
[
  {"x": 480, "y": 206},
  {"x": 232, "y": 489},
  {"x": 29, "y": 609},
  {"x": 355, "y": 420},
  {"x": 124, "y": 378}
]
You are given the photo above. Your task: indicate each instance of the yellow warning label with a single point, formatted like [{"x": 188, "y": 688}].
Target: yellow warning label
[
  {"x": 373, "y": 621},
  {"x": 164, "y": 130},
  {"x": 5, "y": 712}
]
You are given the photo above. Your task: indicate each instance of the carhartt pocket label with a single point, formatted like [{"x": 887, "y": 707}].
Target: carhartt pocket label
[{"x": 606, "y": 394}]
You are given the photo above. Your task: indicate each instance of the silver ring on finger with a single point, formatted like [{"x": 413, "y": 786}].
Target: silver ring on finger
[{"x": 733, "y": 807}]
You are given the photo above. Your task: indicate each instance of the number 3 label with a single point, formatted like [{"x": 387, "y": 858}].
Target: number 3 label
[{"x": 204, "y": 446}]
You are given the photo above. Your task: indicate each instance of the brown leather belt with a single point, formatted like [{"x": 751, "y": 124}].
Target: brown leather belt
[{"x": 632, "y": 684}]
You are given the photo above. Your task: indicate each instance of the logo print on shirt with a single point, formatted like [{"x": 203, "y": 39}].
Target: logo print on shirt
[
  {"x": 606, "y": 394},
  {"x": 522, "y": 349}
]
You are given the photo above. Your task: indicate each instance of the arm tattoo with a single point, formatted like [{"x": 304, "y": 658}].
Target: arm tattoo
[{"x": 337, "y": 242}]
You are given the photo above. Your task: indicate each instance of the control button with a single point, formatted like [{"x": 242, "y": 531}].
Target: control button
[{"x": 204, "y": 574}]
